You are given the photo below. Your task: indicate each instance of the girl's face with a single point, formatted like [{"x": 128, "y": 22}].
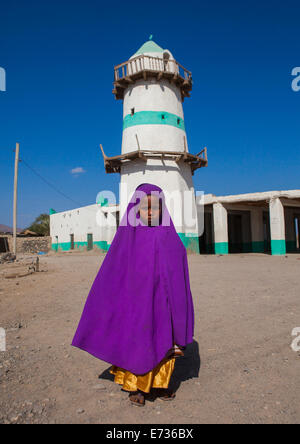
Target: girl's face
[{"x": 150, "y": 210}]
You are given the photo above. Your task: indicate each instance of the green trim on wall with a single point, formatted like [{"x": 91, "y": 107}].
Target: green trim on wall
[
  {"x": 66, "y": 246},
  {"x": 190, "y": 242},
  {"x": 102, "y": 245},
  {"x": 221, "y": 247},
  {"x": 153, "y": 118},
  {"x": 278, "y": 246}
]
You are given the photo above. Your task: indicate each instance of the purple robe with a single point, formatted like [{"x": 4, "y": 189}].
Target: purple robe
[{"x": 140, "y": 303}]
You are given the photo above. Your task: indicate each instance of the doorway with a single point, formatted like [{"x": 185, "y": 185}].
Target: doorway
[
  {"x": 4, "y": 245},
  {"x": 235, "y": 235},
  {"x": 72, "y": 241},
  {"x": 267, "y": 232},
  {"x": 89, "y": 241},
  {"x": 206, "y": 245}
]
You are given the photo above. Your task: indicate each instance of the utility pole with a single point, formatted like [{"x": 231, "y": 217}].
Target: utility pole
[{"x": 15, "y": 199}]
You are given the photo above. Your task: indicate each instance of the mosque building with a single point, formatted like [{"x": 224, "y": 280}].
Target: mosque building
[{"x": 153, "y": 86}]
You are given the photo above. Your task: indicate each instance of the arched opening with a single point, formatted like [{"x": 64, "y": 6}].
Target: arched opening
[{"x": 166, "y": 57}]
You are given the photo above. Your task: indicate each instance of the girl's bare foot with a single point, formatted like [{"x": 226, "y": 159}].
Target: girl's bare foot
[{"x": 137, "y": 398}]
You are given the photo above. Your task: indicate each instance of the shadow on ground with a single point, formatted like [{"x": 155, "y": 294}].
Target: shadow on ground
[{"x": 186, "y": 367}]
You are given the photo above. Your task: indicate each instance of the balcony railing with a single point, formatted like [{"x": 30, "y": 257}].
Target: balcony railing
[
  {"x": 149, "y": 63},
  {"x": 144, "y": 66}
]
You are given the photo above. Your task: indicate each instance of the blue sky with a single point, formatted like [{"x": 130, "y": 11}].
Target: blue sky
[{"x": 59, "y": 58}]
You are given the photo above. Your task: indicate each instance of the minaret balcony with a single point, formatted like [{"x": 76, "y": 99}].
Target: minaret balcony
[
  {"x": 145, "y": 67},
  {"x": 113, "y": 164}
]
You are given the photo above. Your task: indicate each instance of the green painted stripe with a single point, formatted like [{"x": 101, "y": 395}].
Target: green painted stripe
[
  {"x": 221, "y": 247},
  {"x": 153, "y": 118},
  {"x": 63, "y": 246},
  {"x": 191, "y": 242},
  {"x": 66, "y": 246},
  {"x": 278, "y": 246},
  {"x": 102, "y": 245}
]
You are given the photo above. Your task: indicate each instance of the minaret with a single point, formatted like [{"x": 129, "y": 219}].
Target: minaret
[{"x": 153, "y": 86}]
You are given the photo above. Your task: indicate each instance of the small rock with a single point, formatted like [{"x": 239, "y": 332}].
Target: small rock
[
  {"x": 15, "y": 419},
  {"x": 98, "y": 387},
  {"x": 80, "y": 411}
]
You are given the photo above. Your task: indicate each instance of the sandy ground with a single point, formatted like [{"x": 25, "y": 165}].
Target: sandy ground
[{"x": 240, "y": 369}]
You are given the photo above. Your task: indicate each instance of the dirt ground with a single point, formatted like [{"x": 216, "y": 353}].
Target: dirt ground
[{"x": 240, "y": 369}]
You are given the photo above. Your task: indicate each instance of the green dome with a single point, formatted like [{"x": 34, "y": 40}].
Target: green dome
[{"x": 149, "y": 46}]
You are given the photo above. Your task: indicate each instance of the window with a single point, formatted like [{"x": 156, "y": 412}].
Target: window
[{"x": 132, "y": 111}]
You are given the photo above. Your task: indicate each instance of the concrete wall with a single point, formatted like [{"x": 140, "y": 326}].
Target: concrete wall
[{"x": 81, "y": 222}]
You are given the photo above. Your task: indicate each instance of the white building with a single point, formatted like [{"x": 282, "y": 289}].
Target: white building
[
  {"x": 266, "y": 222},
  {"x": 153, "y": 86}
]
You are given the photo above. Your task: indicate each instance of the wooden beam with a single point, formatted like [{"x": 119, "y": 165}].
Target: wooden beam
[
  {"x": 103, "y": 153},
  {"x": 128, "y": 79}
]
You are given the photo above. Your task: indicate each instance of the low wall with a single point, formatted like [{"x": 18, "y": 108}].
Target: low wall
[{"x": 29, "y": 244}]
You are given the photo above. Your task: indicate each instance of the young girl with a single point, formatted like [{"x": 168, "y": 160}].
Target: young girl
[{"x": 139, "y": 313}]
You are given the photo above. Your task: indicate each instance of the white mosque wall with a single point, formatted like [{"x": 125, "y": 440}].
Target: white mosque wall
[
  {"x": 81, "y": 222},
  {"x": 172, "y": 177},
  {"x": 153, "y": 138},
  {"x": 153, "y": 117},
  {"x": 150, "y": 95}
]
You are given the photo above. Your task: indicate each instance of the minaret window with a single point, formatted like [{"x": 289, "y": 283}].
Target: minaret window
[
  {"x": 162, "y": 116},
  {"x": 178, "y": 121},
  {"x": 132, "y": 111}
]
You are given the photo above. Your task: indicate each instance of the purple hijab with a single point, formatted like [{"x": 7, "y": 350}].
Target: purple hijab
[{"x": 140, "y": 303}]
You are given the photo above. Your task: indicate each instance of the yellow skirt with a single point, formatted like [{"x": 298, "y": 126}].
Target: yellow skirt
[{"x": 159, "y": 377}]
